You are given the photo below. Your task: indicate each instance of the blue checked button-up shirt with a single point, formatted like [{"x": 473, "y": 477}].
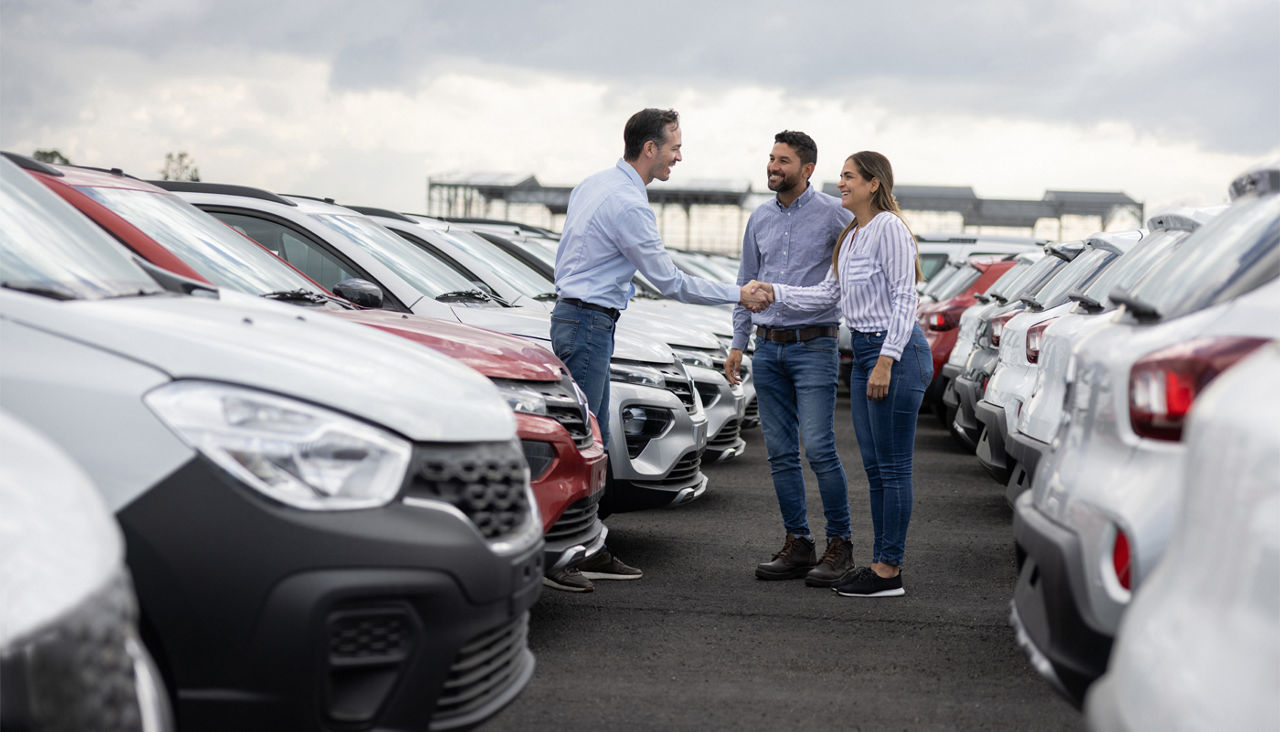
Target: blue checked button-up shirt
[
  {"x": 609, "y": 233},
  {"x": 792, "y": 246}
]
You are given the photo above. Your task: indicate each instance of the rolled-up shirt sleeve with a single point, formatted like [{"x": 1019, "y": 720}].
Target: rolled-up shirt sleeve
[
  {"x": 897, "y": 254},
  {"x": 814, "y": 297},
  {"x": 640, "y": 244}
]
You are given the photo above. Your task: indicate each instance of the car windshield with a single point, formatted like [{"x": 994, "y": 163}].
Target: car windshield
[
  {"x": 48, "y": 248},
  {"x": 425, "y": 272},
  {"x": 1078, "y": 273},
  {"x": 219, "y": 253},
  {"x": 962, "y": 280},
  {"x": 1129, "y": 268},
  {"x": 512, "y": 271},
  {"x": 1231, "y": 254}
]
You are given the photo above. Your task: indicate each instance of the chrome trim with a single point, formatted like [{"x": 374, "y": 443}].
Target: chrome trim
[{"x": 579, "y": 552}]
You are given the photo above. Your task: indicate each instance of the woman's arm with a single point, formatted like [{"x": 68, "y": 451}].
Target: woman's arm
[{"x": 813, "y": 297}]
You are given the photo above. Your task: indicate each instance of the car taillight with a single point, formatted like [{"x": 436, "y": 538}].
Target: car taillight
[
  {"x": 940, "y": 321},
  {"x": 1120, "y": 559},
  {"x": 997, "y": 326},
  {"x": 1164, "y": 384},
  {"x": 1035, "y": 336}
]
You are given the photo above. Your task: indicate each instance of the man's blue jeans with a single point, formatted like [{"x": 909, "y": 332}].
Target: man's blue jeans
[
  {"x": 583, "y": 339},
  {"x": 796, "y": 392},
  {"x": 886, "y": 433}
]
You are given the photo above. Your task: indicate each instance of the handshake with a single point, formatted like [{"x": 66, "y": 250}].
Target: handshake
[{"x": 756, "y": 296}]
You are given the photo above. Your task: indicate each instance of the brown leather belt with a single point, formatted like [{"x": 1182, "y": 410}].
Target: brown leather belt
[{"x": 794, "y": 335}]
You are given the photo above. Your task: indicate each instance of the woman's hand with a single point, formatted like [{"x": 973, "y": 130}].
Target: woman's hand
[{"x": 878, "y": 381}]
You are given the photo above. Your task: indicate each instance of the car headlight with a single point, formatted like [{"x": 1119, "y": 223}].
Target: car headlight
[
  {"x": 299, "y": 454},
  {"x": 690, "y": 357},
  {"x": 636, "y": 374},
  {"x": 522, "y": 399}
]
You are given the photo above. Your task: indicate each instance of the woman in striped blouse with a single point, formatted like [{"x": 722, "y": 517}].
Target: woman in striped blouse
[{"x": 873, "y": 277}]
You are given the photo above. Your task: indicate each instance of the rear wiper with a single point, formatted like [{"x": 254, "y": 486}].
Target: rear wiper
[
  {"x": 1032, "y": 302},
  {"x": 1085, "y": 301},
  {"x": 51, "y": 290},
  {"x": 1141, "y": 309},
  {"x": 298, "y": 295},
  {"x": 473, "y": 294}
]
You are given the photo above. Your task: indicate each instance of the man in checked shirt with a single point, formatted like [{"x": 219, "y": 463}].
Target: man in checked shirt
[{"x": 789, "y": 239}]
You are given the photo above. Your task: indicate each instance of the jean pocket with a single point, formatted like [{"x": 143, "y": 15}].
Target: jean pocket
[{"x": 564, "y": 332}]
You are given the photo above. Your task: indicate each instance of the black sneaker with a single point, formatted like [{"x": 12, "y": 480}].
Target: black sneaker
[
  {"x": 603, "y": 565},
  {"x": 863, "y": 582},
  {"x": 568, "y": 579}
]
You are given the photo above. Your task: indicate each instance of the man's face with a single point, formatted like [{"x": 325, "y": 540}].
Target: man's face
[
  {"x": 668, "y": 154},
  {"x": 786, "y": 172}
]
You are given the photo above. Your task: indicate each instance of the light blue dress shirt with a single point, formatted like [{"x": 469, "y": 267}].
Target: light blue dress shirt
[
  {"x": 610, "y": 232},
  {"x": 790, "y": 245}
]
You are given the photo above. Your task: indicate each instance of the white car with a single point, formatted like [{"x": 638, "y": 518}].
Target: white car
[
  {"x": 936, "y": 249},
  {"x": 1042, "y": 411},
  {"x": 1200, "y": 647},
  {"x": 1100, "y": 513}
]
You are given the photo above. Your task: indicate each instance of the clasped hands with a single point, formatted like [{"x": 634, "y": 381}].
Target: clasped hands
[{"x": 756, "y": 296}]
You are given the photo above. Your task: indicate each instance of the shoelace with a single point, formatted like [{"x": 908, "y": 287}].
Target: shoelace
[
  {"x": 786, "y": 547},
  {"x": 832, "y": 554}
]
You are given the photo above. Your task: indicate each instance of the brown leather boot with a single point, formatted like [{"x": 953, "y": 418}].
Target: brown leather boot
[
  {"x": 793, "y": 561},
  {"x": 836, "y": 560}
]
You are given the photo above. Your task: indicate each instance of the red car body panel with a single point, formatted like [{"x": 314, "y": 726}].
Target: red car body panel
[
  {"x": 943, "y": 339},
  {"x": 574, "y": 475}
]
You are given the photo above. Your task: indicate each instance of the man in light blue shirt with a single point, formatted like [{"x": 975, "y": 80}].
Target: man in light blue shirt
[
  {"x": 610, "y": 232},
  {"x": 790, "y": 240}
]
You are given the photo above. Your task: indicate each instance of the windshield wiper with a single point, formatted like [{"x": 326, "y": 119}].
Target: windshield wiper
[
  {"x": 50, "y": 290},
  {"x": 472, "y": 294},
  {"x": 298, "y": 295},
  {"x": 545, "y": 297}
]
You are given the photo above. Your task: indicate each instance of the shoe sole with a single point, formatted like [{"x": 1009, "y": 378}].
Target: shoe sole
[
  {"x": 604, "y": 576},
  {"x": 897, "y": 592},
  {"x": 811, "y": 582},
  {"x": 565, "y": 588},
  {"x": 797, "y": 574}
]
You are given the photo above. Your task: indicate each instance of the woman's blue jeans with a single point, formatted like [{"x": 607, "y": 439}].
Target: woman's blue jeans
[
  {"x": 796, "y": 391},
  {"x": 886, "y": 431}
]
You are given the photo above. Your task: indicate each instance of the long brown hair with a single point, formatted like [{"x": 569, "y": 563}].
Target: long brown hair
[{"x": 873, "y": 165}]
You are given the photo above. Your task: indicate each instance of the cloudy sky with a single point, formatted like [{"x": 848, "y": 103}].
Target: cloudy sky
[{"x": 362, "y": 101}]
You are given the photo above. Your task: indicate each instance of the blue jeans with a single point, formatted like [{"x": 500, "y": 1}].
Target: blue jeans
[
  {"x": 796, "y": 392},
  {"x": 583, "y": 339},
  {"x": 886, "y": 433}
]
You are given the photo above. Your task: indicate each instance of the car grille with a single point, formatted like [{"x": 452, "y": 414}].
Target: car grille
[
  {"x": 486, "y": 482},
  {"x": 567, "y": 408},
  {"x": 708, "y": 392},
  {"x": 578, "y": 520},
  {"x": 685, "y": 472},
  {"x": 678, "y": 383},
  {"x": 752, "y": 414},
  {"x": 368, "y": 649},
  {"x": 483, "y": 669},
  {"x": 727, "y": 437}
]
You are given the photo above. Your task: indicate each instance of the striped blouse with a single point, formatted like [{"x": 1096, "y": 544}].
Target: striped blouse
[{"x": 877, "y": 285}]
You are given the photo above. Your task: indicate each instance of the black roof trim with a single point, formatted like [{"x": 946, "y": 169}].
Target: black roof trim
[
  {"x": 383, "y": 212},
  {"x": 321, "y": 199},
  {"x": 26, "y": 163},
  {"x": 189, "y": 186}
]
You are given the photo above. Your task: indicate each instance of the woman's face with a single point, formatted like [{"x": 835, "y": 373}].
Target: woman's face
[{"x": 855, "y": 191}]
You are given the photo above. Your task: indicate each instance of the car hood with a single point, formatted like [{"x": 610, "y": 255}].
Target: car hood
[
  {"x": 714, "y": 318},
  {"x": 58, "y": 542},
  {"x": 493, "y": 354},
  {"x": 243, "y": 339},
  {"x": 627, "y": 345}
]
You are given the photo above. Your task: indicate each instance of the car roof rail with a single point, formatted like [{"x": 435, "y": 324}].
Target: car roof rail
[
  {"x": 26, "y": 163},
  {"x": 383, "y": 212},
  {"x": 321, "y": 199},
  {"x": 191, "y": 186}
]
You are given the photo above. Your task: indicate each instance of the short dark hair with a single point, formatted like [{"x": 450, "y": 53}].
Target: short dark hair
[
  {"x": 645, "y": 125},
  {"x": 804, "y": 145}
]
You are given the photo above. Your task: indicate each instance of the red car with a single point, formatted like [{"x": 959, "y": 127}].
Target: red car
[
  {"x": 940, "y": 319},
  {"x": 560, "y": 436}
]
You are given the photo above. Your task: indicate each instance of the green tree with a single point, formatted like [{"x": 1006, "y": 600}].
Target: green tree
[
  {"x": 51, "y": 155},
  {"x": 179, "y": 166}
]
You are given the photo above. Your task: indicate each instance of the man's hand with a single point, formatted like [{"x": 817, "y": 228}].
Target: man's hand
[
  {"x": 731, "y": 366},
  {"x": 756, "y": 296}
]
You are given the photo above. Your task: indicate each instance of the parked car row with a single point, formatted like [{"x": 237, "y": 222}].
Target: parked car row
[
  {"x": 1073, "y": 379},
  {"x": 339, "y": 453}
]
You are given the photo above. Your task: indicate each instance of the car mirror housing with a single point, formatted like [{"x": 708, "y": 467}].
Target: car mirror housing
[{"x": 361, "y": 292}]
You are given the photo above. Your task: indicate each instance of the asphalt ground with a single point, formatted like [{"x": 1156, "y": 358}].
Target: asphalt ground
[{"x": 700, "y": 643}]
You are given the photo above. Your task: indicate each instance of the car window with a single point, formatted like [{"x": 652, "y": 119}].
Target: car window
[
  {"x": 1233, "y": 253},
  {"x": 1007, "y": 280},
  {"x": 959, "y": 282},
  {"x": 1135, "y": 263},
  {"x": 939, "y": 281},
  {"x": 425, "y": 272},
  {"x": 206, "y": 244},
  {"x": 931, "y": 262},
  {"x": 309, "y": 256},
  {"x": 48, "y": 248},
  {"x": 1079, "y": 273},
  {"x": 512, "y": 271}
]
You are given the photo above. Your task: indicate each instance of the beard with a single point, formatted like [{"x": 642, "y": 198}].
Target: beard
[{"x": 785, "y": 184}]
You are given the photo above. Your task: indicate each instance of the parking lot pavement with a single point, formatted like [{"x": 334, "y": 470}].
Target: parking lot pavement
[{"x": 699, "y": 643}]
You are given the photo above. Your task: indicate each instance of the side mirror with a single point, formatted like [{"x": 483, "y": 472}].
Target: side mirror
[{"x": 361, "y": 292}]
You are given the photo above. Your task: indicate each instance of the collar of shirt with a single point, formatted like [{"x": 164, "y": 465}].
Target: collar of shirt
[
  {"x": 631, "y": 173},
  {"x": 801, "y": 200}
]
